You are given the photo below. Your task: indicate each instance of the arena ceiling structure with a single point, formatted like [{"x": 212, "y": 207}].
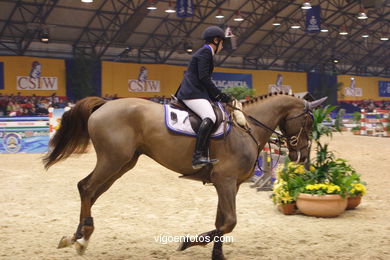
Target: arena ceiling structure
[{"x": 127, "y": 31}]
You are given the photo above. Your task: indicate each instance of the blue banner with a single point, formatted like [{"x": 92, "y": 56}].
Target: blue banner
[
  {"x": 1, "y": 75},
  {"x": 227, "y": 80},
  {"x": 24, "y": 134},
  {"x": 313, "y": 19},
  {"x": 184, "y": 8},
  {"x": 384, "y": 88},
  {"x": 24, "y": 141}
]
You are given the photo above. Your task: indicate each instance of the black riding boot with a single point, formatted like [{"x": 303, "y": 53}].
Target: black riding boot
[{"x": 201, "y": 149}]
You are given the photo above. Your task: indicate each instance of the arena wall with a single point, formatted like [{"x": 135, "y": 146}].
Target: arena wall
[
  {"x": 116, "y": 77},
  {"x": 17, "y": 72}
]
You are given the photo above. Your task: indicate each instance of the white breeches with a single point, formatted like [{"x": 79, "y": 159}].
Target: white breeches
[{"x": 201, "y": 107}]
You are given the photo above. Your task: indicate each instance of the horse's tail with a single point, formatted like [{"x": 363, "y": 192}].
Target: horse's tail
[{"x": 72, "y": 136}]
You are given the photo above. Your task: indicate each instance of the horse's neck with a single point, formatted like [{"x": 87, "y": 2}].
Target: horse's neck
[{"x": 269, "y": 112}]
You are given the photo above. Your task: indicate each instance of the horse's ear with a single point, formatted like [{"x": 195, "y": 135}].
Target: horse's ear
[{"x": 316, "y": 103}]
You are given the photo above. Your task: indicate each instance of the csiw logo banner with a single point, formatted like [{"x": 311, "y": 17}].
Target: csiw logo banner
[
  {"x": 143, "y": 84},
  {"x": 35, "y": 80}
]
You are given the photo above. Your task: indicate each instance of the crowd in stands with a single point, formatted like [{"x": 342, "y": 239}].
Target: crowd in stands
[
  {"x": 160, "y": 99},
  {"x": 370, "y": 105},
  {"x": 18, "y": 105}
]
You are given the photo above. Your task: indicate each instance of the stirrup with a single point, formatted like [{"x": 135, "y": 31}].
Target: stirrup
[
  {"x": 213, "y": 161},
  {"x": 203, "y": 161}
]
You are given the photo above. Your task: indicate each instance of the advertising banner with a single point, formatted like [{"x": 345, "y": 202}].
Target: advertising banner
[
  {"x": 352, "y": 90},
  {"x": 34, "y": 81},
  {"x": 384, "y": 88},
  {"x": 142, "y": 84},
  {"x": 278, "y": 86},
  {"x": 313, "y": 19},
  {"x": 184, "y": 8},
  {"x": 32, "y": 75},
  {"x": 24, "y": 134},
  {"x": 227, "y": 80}
]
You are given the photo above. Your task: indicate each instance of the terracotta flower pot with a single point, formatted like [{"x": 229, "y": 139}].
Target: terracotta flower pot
[
  {"x": 356, "y": 132},
  {"x": 353, "y": 202},
  {"x": 327, "y": 206},
  {"x": 287, "y": 209}
]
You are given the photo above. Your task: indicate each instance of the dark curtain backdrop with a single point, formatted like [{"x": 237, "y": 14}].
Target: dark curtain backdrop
[
  {"x": 83, "y": 77},
  {"x": 321, "y": 85},
  {"x": 1, "y": 75}
]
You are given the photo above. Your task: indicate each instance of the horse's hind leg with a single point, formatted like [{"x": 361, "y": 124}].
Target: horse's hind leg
[{"x": 90, "y": 188}]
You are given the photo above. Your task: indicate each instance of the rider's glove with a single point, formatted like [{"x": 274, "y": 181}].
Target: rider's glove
[{"x": 225, "y": 98}]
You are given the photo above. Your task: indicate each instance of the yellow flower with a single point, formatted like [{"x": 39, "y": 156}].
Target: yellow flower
[
  {"x": 281, "y": 194},
  {"x": 292, "y": 165},
  {"x": 300, "y": 169},
  {"x": 310, "y": 187},
  {"x": 358, "y": 188},
  {"x": 326, "y": 187},
  {"x": 312, "y": 168},
  {"x": 333, "y": 188},
  {"x": 279, "y": 171}
]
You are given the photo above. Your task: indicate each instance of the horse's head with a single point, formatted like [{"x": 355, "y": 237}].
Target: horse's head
[{"x": 297, "y": 127}]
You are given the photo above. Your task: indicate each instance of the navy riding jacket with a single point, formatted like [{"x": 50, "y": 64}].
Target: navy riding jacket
[{"x": 197, "y": 81}]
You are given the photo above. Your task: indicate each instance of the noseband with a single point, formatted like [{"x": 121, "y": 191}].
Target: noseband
[{"x": 293, "y": 140}]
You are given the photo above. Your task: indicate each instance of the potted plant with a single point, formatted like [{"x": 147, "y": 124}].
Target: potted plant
[
  {"x": 356, "y": 130},
  {"x": 322, "y": 200},
  {"x": 331, "y": 180},
  {"x": 290, "y": 180},
  {"x": 282, "y": 198},
  {"x": 240, "y": 92},
  {"x": 355, "y": 193},
  {"x": 379, "y": 125}
]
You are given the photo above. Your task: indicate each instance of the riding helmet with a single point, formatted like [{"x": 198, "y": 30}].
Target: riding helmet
[{"x": 213, "y": 31}]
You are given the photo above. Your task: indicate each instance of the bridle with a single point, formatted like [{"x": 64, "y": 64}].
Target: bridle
[{"x": 291, "y": 140}]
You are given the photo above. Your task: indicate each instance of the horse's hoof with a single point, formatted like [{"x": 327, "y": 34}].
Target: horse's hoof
[
  {"x": 183, "y": 246},
  {"x": 81, "y": 245},
  {"x": 218, "y": 257},
  {"x": 65, "y": 242}
]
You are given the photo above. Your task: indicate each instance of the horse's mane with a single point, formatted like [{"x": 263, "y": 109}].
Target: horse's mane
[{"x": 263, "y": 97}]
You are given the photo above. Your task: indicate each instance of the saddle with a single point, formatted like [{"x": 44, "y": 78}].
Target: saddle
[{"x": 195, "y": 120}]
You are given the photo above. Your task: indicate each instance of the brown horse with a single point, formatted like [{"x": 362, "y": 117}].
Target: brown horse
[{"x": 123, "y": 129}]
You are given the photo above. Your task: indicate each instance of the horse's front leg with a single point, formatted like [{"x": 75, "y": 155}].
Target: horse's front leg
[
  {"x": 226, "y": 213},
  {"x": 226, "y": 216}
]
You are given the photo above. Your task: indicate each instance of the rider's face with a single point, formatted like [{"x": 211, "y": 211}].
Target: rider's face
[{"x": 220, "y": 46}]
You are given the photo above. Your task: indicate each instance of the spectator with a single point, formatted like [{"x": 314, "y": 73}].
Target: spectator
[{"x": 22, "y": 105}]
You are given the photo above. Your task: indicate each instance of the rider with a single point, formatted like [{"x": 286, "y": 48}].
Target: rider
[{"x": 197, "y": 90}]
